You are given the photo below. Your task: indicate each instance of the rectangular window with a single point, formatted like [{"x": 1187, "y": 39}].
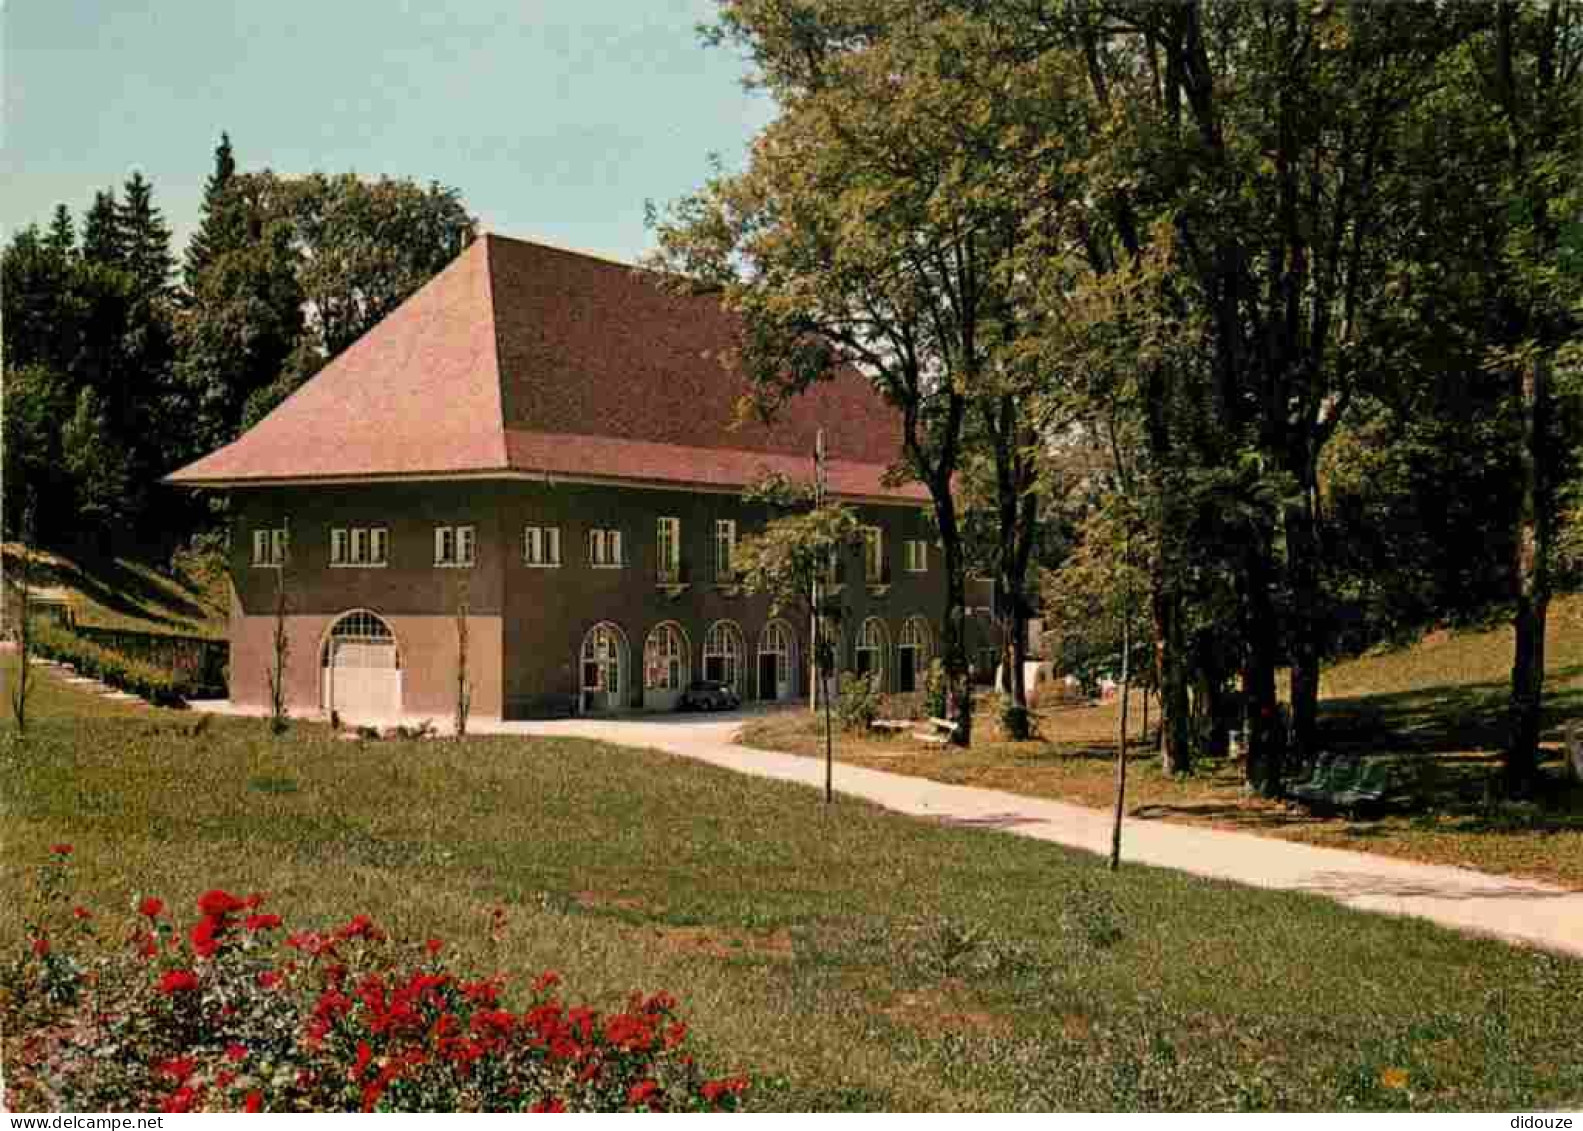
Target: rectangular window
[
  {"x": 917, "y": 555},
  {"x": 604, "y": 549},
  {"x": 359, "y": 546},
  {"x": 261, "y": 545},
  {"x": 465, "y": 543},
  {"x": 873, "y": 555},
  {"x": 725, "y": 549},
  {"x": 444, "y": 545},
  {"x": 668, "y": 552},
  {"x": 541, "y": 545},
  {"x": 278, "y": 543}
]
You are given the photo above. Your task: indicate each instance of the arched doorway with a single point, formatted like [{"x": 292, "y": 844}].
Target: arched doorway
[
  {"x": 604, "y": 669},
  {"x": 667, "y": 666},
  {"x": 777, "y": 661},
  {"x": 871, "y": 650},
  {"x": 361, "y": 669},
  {"x": 912, "y": 654},
  {"x": 723, "y": 652}
]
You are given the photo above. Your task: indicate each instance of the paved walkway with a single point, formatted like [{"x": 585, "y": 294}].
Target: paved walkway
[{"x": 1513, "y": 909}]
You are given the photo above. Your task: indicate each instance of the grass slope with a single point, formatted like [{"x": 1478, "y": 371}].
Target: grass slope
[
  {"x": 127, "y": 593},
  {"x": 1440, "y": 702},
  {"x": 846, "y": 957}
]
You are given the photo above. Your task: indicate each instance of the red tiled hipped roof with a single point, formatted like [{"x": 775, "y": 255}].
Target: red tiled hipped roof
[{"x": 520, "y": 358}]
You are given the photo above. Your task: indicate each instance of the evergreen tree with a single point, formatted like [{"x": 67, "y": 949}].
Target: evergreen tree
[
  {"x": 62, "y": 238},
  {"x": 145, "y": 240},
  {"x": 101, "y": 231},
  {"x": 223, "y": 226}
]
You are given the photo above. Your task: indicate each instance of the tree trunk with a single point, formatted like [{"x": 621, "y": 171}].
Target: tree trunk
[
  {"x": 958, "y": 673},
  {"x": 1171, "y": 678},
  {"x": 1531, "y": 584},
  {"x": 1260, "y": 659},
  {"x": 1015, "y": 657},
  {"x": 1121, "y": 746},
  {"x": 1302, "y": 554},
  {"x": 829, "y": 739}
]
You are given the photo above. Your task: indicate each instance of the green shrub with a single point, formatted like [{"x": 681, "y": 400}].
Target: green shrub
[
  {"x": 858, "y": 702},
  {"x": 145, "y": 680},
  {"x": 228, "y": 1011}
]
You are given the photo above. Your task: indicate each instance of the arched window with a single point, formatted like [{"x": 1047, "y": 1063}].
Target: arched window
[
  {"x": 343, "y": 644},
  {"x": 777, "y": 661},
  {"x": 870, "y": 650},
  {"x": 723, "y": 654},
  {"x": 912, "y": 654},
  {"x": 665, "y": 658},
  {"x": 604, "y": 655}
]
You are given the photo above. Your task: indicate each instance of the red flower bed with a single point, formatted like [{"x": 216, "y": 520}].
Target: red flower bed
[{"x": 232, "y": 1014}]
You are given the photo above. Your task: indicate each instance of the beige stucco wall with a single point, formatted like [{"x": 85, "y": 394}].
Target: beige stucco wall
[{"x": 426, "y": 646}]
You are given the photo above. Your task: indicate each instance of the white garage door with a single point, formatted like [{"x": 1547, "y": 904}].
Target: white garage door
[{"x": 362, "y": 679}]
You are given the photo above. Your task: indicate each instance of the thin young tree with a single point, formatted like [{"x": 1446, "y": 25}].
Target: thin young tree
[
  {"x": 24, "y": 629},
  {"x": 464, "y": 683},
  {"x": 786, "y": 562},
  {"x": 280, "y": 640}
]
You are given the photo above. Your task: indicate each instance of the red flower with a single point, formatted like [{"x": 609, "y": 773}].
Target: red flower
[
  {"x": 178, "y": 981},
  {"x": 81, "y": 913},
  {"x": 262, "y": 922},
  {"x": 182, "y": 1099},
  {"x": 712, "y": 1090},
  {"x": 60, "y": 849},
  {"x": 254, "y": 1102},
  {"x": 269, "y": 979},
  {"x": 553, "y": 1105},
  {"x": 433, "y": 946},
  {"x": 482, "y": 993},
  {"x": 545, "y": 980},
  {"x": 310, "y": 942},
  {"x": 151, "y": 906},
  {"x": 147, "y": 943},
  {"x": 205, "y": 936},
  {"x": 643, "y": 1092},
  {"x": 217, "y": 903},
  {"x": 364, "y": 1055},
  {"x": 360, "y": 927},
  {"x": 41, "y": 946},
  {"x": 235, "y": 1052},
  {"x": 675, "y": 1035},
  {"x": 178, "y": 1068},
  {"x": 224, "y": 1078}
]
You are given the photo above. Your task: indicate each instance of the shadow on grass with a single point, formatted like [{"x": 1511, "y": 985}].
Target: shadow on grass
[
  {"x": 112, "y": 585},
  {"x": 1454, "y": 734}
]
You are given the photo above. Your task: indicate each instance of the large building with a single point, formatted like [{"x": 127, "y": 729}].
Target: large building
[{"x": 549, "y": 439}]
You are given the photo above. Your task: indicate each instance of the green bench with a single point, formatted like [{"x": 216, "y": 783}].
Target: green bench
[{"x": 1348, "y": 783}]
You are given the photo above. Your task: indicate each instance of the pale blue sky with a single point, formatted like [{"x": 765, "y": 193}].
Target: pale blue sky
[{"x": 555, "y": 118}]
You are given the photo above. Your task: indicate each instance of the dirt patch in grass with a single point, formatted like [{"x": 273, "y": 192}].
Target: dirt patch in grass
[
  {"x": 945, "y": 1008},
  {"x": 599, "y": 900},
  {"x": 724, "y": 942}
]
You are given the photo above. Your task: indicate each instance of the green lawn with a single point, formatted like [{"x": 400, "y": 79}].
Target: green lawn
[
  {"x": 1439, "y": 703},
  {"x": 845, "y": 958}
]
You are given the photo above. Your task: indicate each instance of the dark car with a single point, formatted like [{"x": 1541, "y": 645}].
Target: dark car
[{"x": 708, "y": 695}]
